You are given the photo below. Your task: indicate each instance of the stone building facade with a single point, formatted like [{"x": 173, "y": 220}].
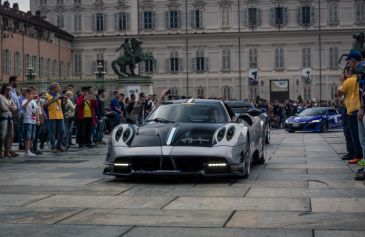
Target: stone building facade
[
  {"x": 29, "y": 41},
  {"x": 211, "y": 48}
]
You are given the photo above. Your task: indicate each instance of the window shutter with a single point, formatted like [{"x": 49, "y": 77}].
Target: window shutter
[
  {"x": 179, "y": 19},
  {"x": 276, "y": 58},
  {"x": 358, "y": 14},
  {"x": 206, "y": 64},
  {"x": 229, "y": 59},
  {"x": 168, "y": 65},
  {"x": 193, "y": 64},
  {"x": 116, "y": 21},
  {"x": 105, "y": 22},
  {"x": 193, "y": 19},
  {"x": 245, "y": 17},
  {"x": 272, "y": 16},
  {"x": 141, "y": 20},
  {"x": 167, "y": 20},
  {"x": 93, "y": 22},
  {"x": 128, "y": 20},
  {"x": 286, "y": 15},
  {"x": 181, "y": 66},
  {"x": 201, "y": 18},
  {"x": 299, "y": 16},
  {"x": 304, "y": 58},
  {"x": 258, "y": 16},
  {"x": 154, "y": 23},
  {"x": 313, "y": 15}
]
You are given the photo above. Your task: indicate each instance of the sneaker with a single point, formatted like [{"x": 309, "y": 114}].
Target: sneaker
[
  {"x": 346, "y": 157},
  {"x": 361, "y": 163},
  {"x": 38, "y": 152},
  {"x": 53, "y": 150},
  {"x": 353, "y": 161},
  {"x": 360, "y": 176},
  {"x": 360, "y": 170},
  {"x": 29, "y": 154}
]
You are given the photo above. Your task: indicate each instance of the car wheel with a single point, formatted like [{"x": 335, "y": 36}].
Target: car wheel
[
  {"x": 261, "y": 160},
  {"x": 324, "y": 126},
  {"x": 247, "y": 160}
]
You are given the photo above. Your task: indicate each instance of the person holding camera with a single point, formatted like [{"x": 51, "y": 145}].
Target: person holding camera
[
  {"x": 55, "y": 118},
  {"x": 30, "y": 120}
]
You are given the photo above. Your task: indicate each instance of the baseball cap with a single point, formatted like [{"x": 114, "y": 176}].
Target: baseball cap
[{"x": 354, "y": 55}]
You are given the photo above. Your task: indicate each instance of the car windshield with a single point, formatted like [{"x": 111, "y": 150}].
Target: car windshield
[
  {"x": 189, "y": 113},
  {"x": 313, "y": 112}
]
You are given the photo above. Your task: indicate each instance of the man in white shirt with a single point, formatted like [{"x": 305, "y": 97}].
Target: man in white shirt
[{"x": 30, "y": 119}]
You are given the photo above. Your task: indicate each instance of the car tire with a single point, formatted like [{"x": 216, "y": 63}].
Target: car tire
[
  {"x": 324, "y": 126},
  {"x": 262, "y": 160},
  {"x": 247, "y": 160}
]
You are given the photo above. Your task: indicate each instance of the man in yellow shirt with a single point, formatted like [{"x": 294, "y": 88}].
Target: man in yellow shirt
[
  {"x": 55, "y": 121},
  {"x": 349, "y": 87}
]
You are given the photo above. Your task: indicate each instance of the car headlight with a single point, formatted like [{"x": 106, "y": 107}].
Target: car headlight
[
  {"x": 127, "y": 135},
  {"x": 287, "y": 121},
  {"x": 315, "y": 121},
  {"x": 230, "y": 133},
  {"x": 220, "y": 134},
  {"x": 118, "y": 133}
]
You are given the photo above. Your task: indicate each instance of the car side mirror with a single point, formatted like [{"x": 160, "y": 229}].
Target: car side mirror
[{"x": 254, "y": 112}]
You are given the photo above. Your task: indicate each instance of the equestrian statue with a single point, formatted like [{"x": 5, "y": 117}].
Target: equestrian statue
[{"x": 133, "y": 54}]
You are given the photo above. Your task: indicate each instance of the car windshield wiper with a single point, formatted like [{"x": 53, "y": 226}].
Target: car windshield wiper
[{"x": 160, "y": 120}]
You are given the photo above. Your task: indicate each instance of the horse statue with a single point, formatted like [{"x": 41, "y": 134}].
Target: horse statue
[{"x": 133, "y": 54}]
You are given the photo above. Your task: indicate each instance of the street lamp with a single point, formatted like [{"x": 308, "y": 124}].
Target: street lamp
[
  {"x": 30, "y": 73},
  {"x": 308, "y": 79},
  {"x": 297, "y": 83},
  {"x": 262, "y": 85},
  {"x": 99, "y": 73}
]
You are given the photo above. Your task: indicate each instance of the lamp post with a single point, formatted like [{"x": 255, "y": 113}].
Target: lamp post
[
  {"x": 297, "y": 83},
  {"x": 99, "y": 73},
  {"x": 262, "y": 83},
  {"x": 308, "y": 79},
  {"x": 30, "y": 73}
]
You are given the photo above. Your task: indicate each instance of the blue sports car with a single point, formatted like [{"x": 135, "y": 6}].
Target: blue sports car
[{"x": 318, "y": 119}]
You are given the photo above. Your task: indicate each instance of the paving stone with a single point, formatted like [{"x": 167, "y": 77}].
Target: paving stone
[
  {"x": 338, "y": 233},
  {"x": 297, "y": 220},
  {"x": 330, "y": 171},
  {"x": 187, "y": 191},
  {"x": 301, "y": 192},
  {"x": 216, "y": 232},
  {"x": 335, "y": 184},
  {"x": 356, "y": 205},
  {"x": 151, "y": 217},
  {"x": 271, "y": 183},
  {"x": 325, "y": 176},
  {"x": 9, "y": 200},
  {"x": 103, "y": 201},
  {"x": 327, "y": 165},
  {"x": 23, "y": 215},
  {"x": 229, "y": 203},
  {"x": 61, "y": 230},
  {"x": 56, "y": 182}
]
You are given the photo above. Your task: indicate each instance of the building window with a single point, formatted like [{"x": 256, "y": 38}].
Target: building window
[
  {"x": 333, "y": 57},
  {"x": 173, "y": 19},
  {"x": 99, "y": 22},
  {"x": 77, "y": 1},
  {"x": 279, "y": 16},
  {"x": 253, "y": 92},
  {"x": 174, "y": 62},
  {"x": 307, "y": 57},
  {"x": 200, "y": 63},
  {"x": 225, "y": 15},
  {"x": 122, "y": 21},
  {"x": 252, "y": 58},
  {"x": 26, "y": 61},
  {"x": 197, "y": 21},
  {"x": 226, "y": 59},
  {"x": 333, "y": 90},
  {"x": 149, "y": 66},
  {"x": 227, "y": 92},
  {"x": 35, "y": 64},
  {"x": 251, "y": 17},
  {"x": 77, "y": 64},
  {"x": 41, "y": 67},
  {"x": 360, "y": 12},
  {"x": 77, "y": 23},
  {"x": 174, "y": 91},
  {"x": 305, "y": 15},
  {"x": 60, "y": 21},
  {"x": 17, "y": 63},
  {"x": 200, "y": 92},
  {"x": 149, "y": 20},
  {"x": 279, "y": 58},
  {"x": 59, "y": 2},
  {"x": 7, "y": 61},
  {"x": 307, "y": 92},
  {"x": 43, "y": 2},
  {"x": 332, "y": 14}
]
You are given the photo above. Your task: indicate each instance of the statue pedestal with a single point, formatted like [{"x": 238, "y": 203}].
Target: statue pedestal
[{"x": 136, "y": 85}]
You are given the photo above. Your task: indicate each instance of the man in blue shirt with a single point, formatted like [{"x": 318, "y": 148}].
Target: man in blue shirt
[{"x": 115, "y": 107}]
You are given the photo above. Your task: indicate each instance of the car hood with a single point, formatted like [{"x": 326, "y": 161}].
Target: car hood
[
  {"x": 303, "y": 119},
  {"x": 162, "y": 134}
]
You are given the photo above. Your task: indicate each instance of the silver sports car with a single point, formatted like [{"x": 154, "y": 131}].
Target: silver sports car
[{"x": 187, "y": 137}]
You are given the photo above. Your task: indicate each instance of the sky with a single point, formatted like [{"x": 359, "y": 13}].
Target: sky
[{"x": 23, "y": 4}]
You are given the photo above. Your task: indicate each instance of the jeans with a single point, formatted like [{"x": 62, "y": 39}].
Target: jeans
[
  {"x": 84, "y": 131},
  {"x": 354, "y": 131},
  {"x": 38, "y": 136},
  {"x": 20, "y": 132},
  {"x": 69, "y": 122},
  {"x": 56, "y": 129},
  {"x": 346, "y": 132},
  {"x": 361, "y": 127},
  {"x": 100, "y": 130}
]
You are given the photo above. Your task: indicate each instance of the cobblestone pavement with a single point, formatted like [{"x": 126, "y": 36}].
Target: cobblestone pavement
[{"x": 305, "y": 189}]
